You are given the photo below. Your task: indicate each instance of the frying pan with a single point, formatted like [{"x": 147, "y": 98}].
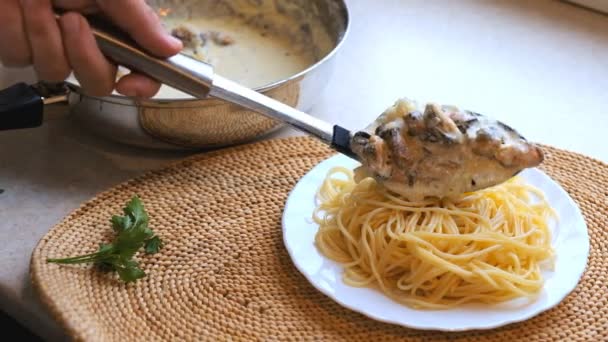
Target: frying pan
[{"x": 177, "y": 123}]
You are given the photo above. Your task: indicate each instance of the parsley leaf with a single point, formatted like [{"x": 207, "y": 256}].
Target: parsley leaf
[
  {"x": 153, "y": 245},
  {"x": 130, "y": 271},
  {"x": 132, "y": 234},
  {"x": 119, "y": 222}
]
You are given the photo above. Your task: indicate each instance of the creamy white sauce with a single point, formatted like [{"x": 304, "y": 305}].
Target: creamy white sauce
[{"x": 257, "y": 57}]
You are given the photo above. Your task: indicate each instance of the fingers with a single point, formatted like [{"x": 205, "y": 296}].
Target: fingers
[
  {"x": 137, "y": 85},
  {"x": 36, "y": 37},
  {"x": 45, "y": 40},
  {"x": 81, "y": 6},
  {"x": 14, "y": 46},
  {"x": 94, "y": 72},
  {"x": 140, "y": 21}
]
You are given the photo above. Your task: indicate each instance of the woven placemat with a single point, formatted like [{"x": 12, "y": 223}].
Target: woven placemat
[{"x": 224, "y": 273}]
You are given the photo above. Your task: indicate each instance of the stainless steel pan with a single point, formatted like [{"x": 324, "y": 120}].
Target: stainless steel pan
[{"x": 190, "y": 123}]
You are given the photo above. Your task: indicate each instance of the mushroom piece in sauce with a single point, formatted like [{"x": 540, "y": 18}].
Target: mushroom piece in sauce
[
  {"x": 187, "y": 35},
  {"x": 441, "y": 151},
  {"x": 221, "y": 39}
]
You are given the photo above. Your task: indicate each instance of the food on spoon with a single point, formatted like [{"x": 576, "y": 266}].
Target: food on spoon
[{"x": 440, "y": 152}]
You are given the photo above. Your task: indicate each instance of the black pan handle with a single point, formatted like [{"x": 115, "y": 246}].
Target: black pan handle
[{"x": 21, "y": 106}]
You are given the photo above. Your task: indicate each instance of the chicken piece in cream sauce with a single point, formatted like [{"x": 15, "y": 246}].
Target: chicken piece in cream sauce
[{"x": 440, "y": 151}]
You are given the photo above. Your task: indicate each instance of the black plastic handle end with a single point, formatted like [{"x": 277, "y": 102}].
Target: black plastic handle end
[
  {"x": 20, "y": 107},
  {"x": 340, "y": 141}
]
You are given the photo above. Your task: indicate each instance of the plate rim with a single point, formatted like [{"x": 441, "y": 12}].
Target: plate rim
[{"x": 516, "y": 319}]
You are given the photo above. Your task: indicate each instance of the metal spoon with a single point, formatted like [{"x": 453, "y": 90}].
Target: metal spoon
[{"x": 424, "y": 164}]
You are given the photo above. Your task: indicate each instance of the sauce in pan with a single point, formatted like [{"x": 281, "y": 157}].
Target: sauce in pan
[
  {"x": 249, "y": 55},
  {"x": 252, "y": 55}
]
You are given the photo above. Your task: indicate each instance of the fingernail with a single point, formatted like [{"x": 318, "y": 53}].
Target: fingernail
[{"x": 172, "y": 40}]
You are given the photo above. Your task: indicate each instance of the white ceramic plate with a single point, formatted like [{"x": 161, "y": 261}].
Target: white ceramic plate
[{"x": 570, "y": 240}]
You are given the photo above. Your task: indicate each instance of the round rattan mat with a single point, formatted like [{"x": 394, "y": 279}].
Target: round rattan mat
[{"x": 225, "y": 275}]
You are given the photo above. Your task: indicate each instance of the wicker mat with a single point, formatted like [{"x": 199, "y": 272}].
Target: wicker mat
[{"x": 225, "y": 275}]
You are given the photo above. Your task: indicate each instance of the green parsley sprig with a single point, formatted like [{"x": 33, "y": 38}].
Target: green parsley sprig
[{"x": 132, "y": 233}]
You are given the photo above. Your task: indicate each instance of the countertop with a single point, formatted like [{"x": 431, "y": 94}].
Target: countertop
[{"x": 540, "y": 66}]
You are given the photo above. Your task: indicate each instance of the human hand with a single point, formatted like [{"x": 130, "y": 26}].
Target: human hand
[{"x": 31, "y": 35}]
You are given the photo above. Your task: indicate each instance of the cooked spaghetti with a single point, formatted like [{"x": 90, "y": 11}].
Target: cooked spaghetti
[{"x": 487, "y": 246}]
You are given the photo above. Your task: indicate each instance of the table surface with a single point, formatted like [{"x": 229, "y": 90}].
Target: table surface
[{"x": 540, "y": 66}]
